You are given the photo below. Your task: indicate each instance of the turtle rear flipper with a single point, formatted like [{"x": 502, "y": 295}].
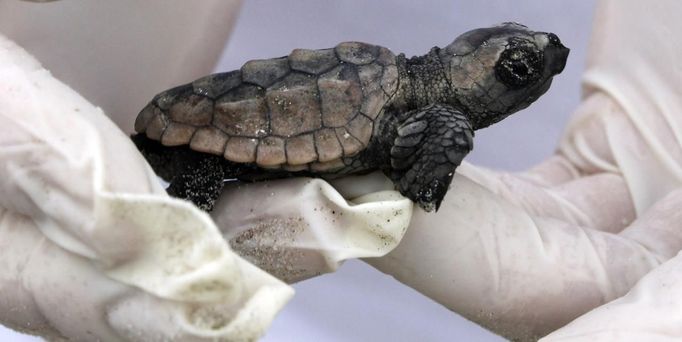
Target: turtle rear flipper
[
  {"x": 197, "y": 177},
  {"x": 201, "y": 182},
  {"x": 429, "y": 146}
]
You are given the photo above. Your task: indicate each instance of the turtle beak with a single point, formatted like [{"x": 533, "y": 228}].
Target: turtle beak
[
  {"x": 556, "y": 53},
  {"x": 559, "y": 56}
]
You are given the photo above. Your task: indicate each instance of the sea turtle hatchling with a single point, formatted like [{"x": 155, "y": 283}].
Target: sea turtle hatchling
[{"x": 346, "y": 110}]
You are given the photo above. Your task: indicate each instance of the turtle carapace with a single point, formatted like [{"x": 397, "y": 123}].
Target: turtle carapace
[{"x": 350, "y": 109}]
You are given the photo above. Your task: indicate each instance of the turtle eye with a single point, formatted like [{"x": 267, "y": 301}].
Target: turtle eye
[
  {"x": 553, "y": 39},
  {"x": 519, "y": 66}
]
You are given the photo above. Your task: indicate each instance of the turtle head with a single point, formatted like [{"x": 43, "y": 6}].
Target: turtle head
[{"x": 499, "y": 70}]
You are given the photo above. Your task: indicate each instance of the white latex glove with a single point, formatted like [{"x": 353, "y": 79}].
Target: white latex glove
[
  {"x": 92, "y": 248},
  {"x": 525, "y": 254}
]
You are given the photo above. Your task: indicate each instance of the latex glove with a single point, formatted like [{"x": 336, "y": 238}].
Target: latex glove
[
  {"x": 524, "y": 254},
  {"x": 91, "y": 247}
]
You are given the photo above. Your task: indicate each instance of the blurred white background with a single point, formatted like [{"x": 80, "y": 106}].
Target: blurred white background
[{"x": 358, "y": 303}]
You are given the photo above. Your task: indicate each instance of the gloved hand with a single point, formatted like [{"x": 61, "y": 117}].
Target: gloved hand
[
  {"x": 91, "y": 247},
  {"x": 599, "y": 222}
]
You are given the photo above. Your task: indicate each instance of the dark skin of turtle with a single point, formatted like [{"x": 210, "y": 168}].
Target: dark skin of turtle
[{"x": 353, "y": 109}]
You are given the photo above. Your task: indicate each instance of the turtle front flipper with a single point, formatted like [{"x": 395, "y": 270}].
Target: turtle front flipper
[{"x": 429, "y": 146}]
